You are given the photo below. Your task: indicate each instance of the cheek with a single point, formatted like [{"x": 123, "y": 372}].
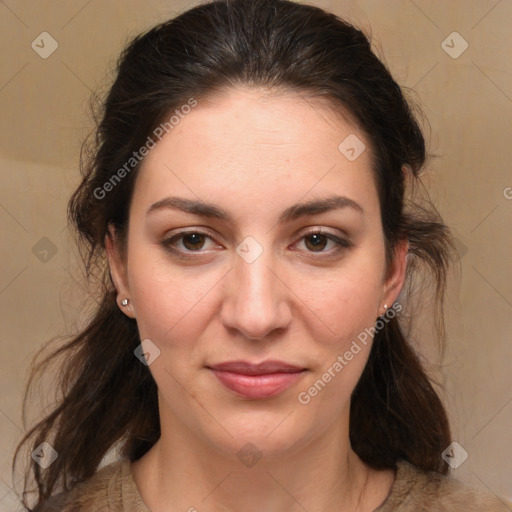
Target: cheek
[
  {"x": 347, "y": 307},
  {"x": 171, "y": 303},
  {"x": 348, "y": 301}
]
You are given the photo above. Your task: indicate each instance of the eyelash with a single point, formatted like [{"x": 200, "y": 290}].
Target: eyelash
[{"x": 342, "y": 244}]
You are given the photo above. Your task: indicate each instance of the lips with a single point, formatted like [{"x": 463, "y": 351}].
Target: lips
[
  {"x": 266, "y": 367},
  {"x": 257, "y": 381}
]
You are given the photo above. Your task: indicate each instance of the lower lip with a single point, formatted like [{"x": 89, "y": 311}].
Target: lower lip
[{"x": 257, "y": 386}]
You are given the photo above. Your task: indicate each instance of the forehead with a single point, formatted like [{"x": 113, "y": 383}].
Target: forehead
[
  {"x": 254, "y": 117},
  {"x": 248, "y": 145}
]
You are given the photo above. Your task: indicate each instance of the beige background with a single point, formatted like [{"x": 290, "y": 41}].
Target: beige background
[{"x": 468, "y": 101}]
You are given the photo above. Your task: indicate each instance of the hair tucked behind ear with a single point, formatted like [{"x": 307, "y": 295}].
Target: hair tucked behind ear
[{"x": 107, "y": 397}]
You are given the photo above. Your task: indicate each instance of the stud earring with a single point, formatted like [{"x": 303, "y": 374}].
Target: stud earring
[
  {"x": 124, "y": 302},
  {"x": 385, "y": 309}
]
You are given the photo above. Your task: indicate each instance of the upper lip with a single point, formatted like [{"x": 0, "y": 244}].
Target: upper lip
[{"x": 263, "y": 368}]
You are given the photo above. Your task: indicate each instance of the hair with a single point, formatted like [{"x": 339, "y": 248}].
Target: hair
[{"x": 276, "y": 45}]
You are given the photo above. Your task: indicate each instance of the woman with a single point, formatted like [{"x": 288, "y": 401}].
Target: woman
[{"x": 246, "y": 207}]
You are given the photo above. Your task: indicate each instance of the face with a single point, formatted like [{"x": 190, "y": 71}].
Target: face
[{"x": 226, "y": 263}]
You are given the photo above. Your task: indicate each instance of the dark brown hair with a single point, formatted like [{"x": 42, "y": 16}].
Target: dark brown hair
[{"x": 107, "y": 396}]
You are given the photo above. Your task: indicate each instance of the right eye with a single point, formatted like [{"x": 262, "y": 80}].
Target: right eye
[{"x": 186, "y": 241}]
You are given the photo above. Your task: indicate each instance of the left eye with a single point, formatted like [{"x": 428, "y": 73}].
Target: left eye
[{"x": 316, "y": 241}]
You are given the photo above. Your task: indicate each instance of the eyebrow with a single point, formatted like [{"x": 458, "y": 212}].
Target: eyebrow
[{"x": 204, "y": 209}]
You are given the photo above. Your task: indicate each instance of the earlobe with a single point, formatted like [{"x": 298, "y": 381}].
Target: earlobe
[
  {"x": 127, "y": 308},
  {"x": 118, "y": 272},
  {"x": 396, "y": 276}
]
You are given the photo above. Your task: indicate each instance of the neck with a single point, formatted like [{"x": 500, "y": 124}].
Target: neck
[{"x": 182, "y": 472}]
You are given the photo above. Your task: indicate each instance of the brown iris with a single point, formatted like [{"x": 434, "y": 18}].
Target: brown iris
[
  {"x": 196, "y": 241},
  {"x": 318, "y": 241}
]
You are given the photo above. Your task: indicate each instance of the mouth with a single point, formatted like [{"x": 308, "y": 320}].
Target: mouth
[{"x": 257, "y": 381}]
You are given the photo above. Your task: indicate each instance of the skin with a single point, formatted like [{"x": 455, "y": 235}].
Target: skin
[{"x": 255, "y": 154}]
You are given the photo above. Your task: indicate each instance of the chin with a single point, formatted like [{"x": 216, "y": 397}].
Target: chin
[{"x": 258, "y": 434}]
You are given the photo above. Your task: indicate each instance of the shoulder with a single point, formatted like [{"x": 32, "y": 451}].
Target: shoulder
[
  {"x": 101, "y": 492},
  {"x": 417, "y": 490}
]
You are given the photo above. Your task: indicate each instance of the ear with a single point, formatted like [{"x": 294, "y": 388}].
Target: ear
[
  {"x": 395, "y": 276},
  {"x": 117, "y": 267}
]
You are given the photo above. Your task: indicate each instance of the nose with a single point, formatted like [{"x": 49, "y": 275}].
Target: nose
[{"x": 256, "y": 300}]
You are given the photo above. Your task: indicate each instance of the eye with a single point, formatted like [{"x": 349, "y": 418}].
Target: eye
[
  {"x": 318, "y": 240},
  {"x": 191, "y": 241},
  {"x": 315, "y": 241}
]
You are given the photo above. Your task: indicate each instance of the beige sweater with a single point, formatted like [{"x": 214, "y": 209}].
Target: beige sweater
[{"x": 113, "y": 488}]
